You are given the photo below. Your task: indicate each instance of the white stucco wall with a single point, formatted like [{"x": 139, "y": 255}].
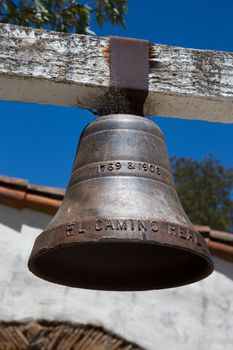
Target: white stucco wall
[{"x": 198, "y": 316}]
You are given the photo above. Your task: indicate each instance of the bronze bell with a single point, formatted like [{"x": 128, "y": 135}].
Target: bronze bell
[{"x": 121, "y": 225}]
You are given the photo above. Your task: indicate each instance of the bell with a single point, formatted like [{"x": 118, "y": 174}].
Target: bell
[{"x": 121, "y": 225}]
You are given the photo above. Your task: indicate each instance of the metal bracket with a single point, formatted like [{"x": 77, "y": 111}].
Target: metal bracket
[{"x": 129, "y": 70}]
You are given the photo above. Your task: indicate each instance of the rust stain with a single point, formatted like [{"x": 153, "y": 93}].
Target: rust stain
[{"x": 107, "y": 53}]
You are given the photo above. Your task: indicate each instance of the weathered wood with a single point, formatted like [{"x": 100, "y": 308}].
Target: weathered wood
[{"x": 55, "y": 68}]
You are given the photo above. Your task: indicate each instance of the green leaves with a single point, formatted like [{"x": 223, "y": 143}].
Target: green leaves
[
  {"x": 110, "y": 10},
  {"x": 65, "y": 16},
  {"x": 25, "y": 13},
  {"x": 204, "y": 188}
]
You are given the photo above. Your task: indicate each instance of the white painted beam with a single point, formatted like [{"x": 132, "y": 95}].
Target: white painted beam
[{"x": 72, "y": 70}]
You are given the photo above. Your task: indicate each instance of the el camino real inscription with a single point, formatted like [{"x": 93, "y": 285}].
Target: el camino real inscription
[{"x": 132, "y": 225}]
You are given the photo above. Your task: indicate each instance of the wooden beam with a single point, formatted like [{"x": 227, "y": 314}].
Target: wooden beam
[{"x": 72, "y": 70}]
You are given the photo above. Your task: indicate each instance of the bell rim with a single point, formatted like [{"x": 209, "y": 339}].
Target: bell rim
[{"x": 209, "y": 264}]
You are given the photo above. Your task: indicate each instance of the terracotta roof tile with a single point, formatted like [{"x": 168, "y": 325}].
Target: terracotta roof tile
[{"x": 19, "y": 193}]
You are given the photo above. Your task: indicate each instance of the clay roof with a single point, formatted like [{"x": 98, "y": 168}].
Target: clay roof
[
  {"x": 20, "y": 194},
  {"x": 50, "y": 335}
]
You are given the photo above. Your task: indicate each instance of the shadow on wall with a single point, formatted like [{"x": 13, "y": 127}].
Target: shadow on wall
[
  {"x": 16, "y": 218},
  {"x": 224, "y": 267}
]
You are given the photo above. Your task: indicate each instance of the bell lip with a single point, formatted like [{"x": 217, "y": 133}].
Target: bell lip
[{"x": 209, "y": 264}]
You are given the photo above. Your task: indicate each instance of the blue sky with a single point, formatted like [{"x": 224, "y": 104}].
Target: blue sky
[{"x": 38, "y": 142}]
